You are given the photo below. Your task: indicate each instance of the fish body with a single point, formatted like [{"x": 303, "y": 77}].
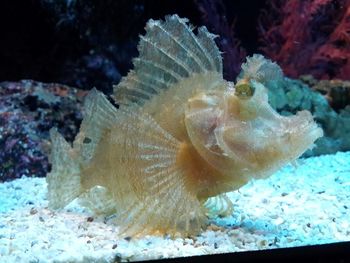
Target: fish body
[{"x": 181, "y": 135}]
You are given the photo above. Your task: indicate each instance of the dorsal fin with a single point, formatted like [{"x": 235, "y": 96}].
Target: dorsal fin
[{"x": 168, "y": 53}]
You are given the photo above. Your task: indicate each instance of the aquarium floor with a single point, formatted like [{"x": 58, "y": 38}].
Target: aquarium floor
[{"x": 303, "y": 205}]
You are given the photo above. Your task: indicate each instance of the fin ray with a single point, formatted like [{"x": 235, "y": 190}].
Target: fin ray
[
  {"x": 156, "y": 182},
  {"x": 181, "y": 68},
  {"x": 169, "y": 53},
  {"x": 63, "y": 182},
  {"x": 220, "y": 205},
  {"x": 188, "y": 52},
  {"x": 99, "y": 113},
  {"x": 188, "y": 39}
]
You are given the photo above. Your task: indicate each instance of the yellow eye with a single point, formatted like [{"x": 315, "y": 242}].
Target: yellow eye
[{"x": 243, "y": 89}]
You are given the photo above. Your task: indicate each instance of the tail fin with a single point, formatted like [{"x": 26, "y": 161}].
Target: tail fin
[
  {"x": 64, "y": 179},
  {"x": 64, "y": 182}
]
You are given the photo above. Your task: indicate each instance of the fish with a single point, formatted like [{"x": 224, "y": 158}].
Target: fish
[{"x": 179, "y": 136}]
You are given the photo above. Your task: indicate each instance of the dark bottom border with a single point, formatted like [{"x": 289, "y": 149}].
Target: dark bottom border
[{"x": 335, "y": 253}]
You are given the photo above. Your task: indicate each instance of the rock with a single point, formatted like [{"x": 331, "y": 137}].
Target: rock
[
  {"x": 289, "y": 96},
  {"x": 28, "y": 110}
]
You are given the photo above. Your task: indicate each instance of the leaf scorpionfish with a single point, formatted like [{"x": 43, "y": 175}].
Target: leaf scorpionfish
[{"x": 181, "y": 135}]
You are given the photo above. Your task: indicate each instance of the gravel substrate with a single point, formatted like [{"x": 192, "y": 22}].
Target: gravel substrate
[{"x": 303, "y": 205}]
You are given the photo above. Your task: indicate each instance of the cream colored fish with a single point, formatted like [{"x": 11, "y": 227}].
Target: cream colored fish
[{"x": 182, "y": 134}]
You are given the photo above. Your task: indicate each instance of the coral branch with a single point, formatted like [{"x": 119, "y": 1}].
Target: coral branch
[{"x": 308, "y": 37}]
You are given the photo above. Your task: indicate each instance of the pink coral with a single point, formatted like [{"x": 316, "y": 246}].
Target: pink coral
[{"x": 309, "y": 36}]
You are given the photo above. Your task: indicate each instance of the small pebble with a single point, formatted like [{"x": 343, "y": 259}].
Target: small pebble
[{"x": 33, "y": 211}]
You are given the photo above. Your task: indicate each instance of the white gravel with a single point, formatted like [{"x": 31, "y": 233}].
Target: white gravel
[{"x": 304, "y": 205}]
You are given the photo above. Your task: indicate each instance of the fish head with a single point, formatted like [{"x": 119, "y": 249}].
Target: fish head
[{"x": 238, "y": 131}]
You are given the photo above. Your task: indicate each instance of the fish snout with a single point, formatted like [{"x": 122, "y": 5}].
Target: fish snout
[{"x": 302, "y": 130}]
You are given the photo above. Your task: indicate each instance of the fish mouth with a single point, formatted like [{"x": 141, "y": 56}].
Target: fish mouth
[
  {"x": 305, "y": 130},
  {"x": 314, "y": 132},
  {"x": 310, "y": 126}
]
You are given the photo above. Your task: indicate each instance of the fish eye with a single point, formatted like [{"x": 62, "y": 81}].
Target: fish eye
[{"x": 243, "y": 89}]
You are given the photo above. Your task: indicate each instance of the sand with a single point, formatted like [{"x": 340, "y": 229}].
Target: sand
[{"x": 304, "y": 205}]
